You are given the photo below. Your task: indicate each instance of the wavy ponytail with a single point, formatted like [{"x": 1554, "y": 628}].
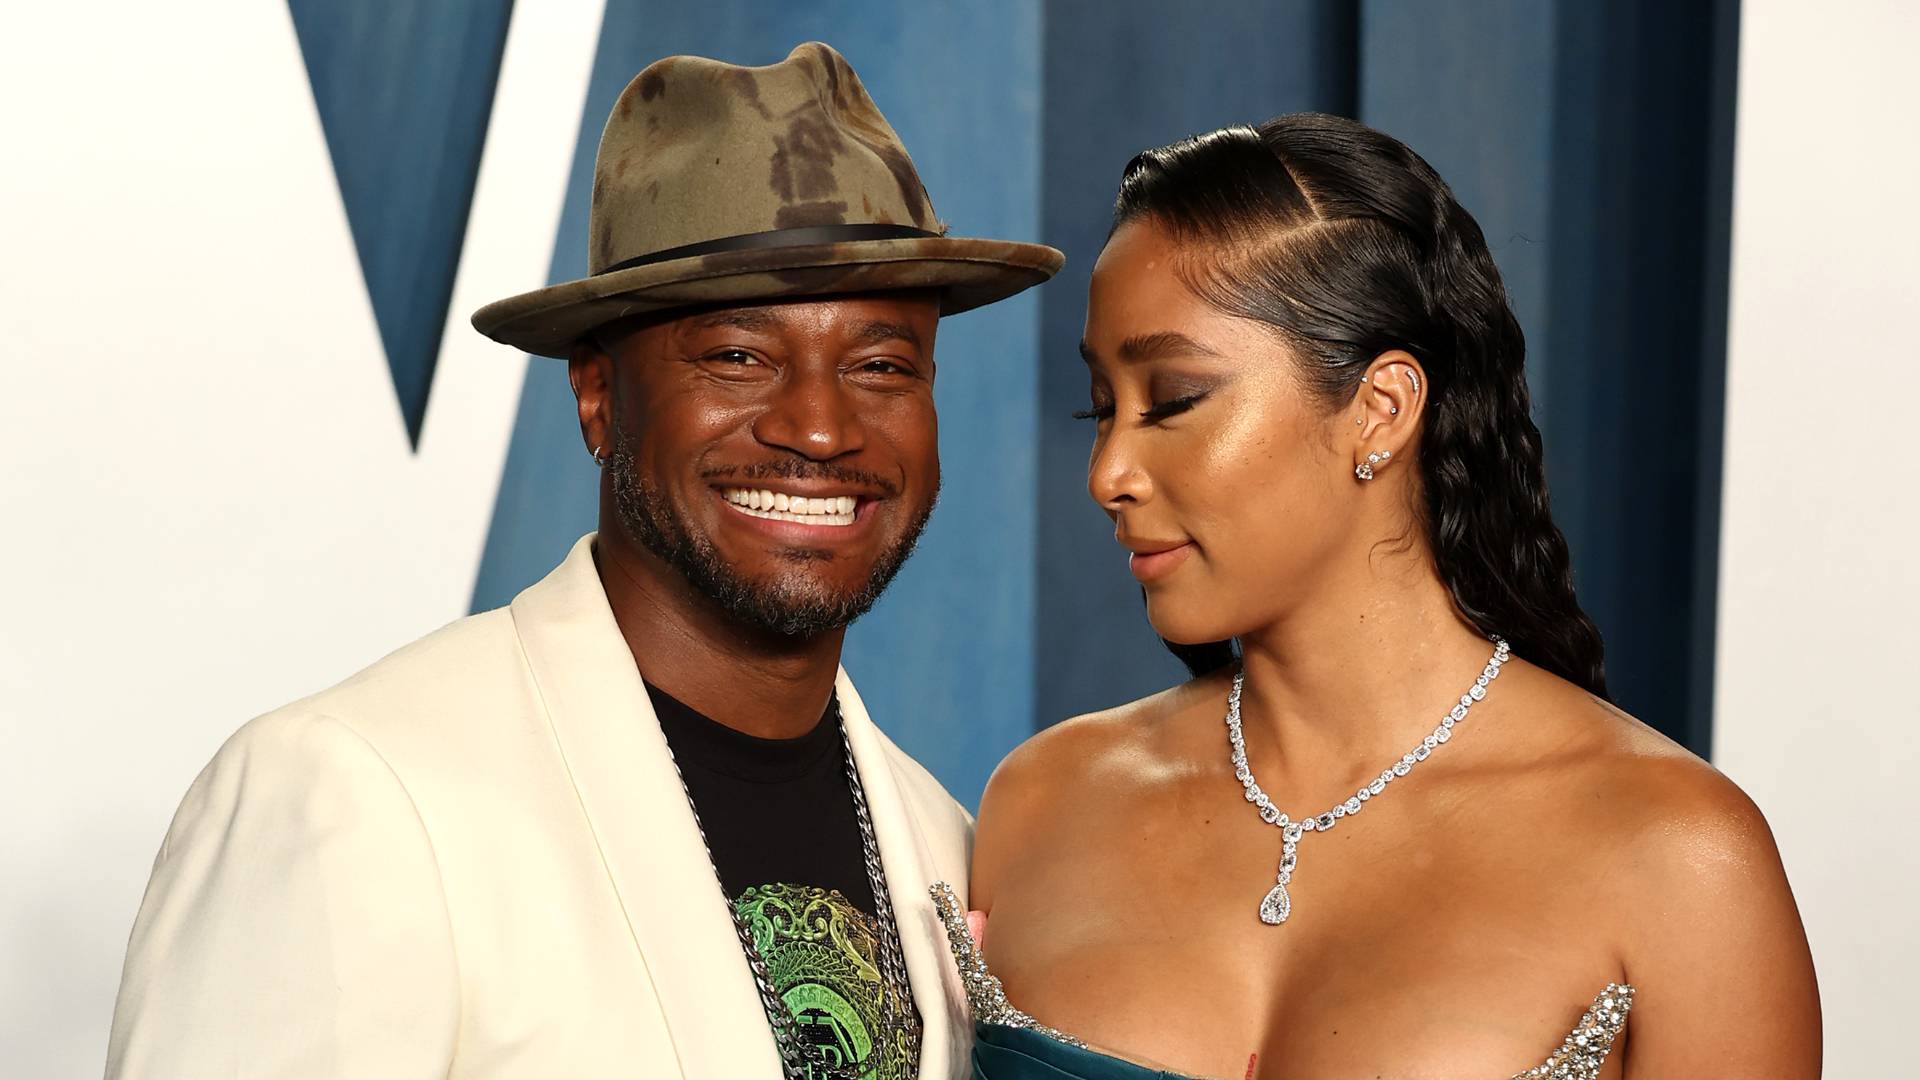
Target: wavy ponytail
[{"x": 1350, "y": 245}]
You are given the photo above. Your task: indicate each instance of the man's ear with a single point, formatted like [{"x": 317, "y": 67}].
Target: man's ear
[{"x": 590, "y": 372}]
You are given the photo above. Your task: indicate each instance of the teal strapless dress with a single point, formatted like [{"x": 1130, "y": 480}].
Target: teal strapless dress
[
  {"x": 1010, "y": 1045},
  {"x": 1012, "y": 1053}
]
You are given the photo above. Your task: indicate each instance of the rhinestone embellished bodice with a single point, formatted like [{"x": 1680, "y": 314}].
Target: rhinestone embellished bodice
[{"x": 1579, "y": 1057}]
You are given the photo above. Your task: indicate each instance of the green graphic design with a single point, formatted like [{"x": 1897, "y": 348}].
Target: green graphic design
[{"x": 824, "y": 956}]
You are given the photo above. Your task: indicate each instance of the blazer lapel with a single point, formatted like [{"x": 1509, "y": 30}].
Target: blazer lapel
[
  {"x": 937, "y": 989},
  {"x": 637, "y": 809}
]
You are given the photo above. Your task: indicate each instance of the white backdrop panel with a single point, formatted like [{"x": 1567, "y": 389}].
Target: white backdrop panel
[
  {"x": 1815, "y": 706},
  {"x": 210, "y": 502}
]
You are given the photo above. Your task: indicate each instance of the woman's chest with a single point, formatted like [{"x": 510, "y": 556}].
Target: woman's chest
[
  {"x": 1401, "y": 960},
  {"x": 1372, "y": 1013}
]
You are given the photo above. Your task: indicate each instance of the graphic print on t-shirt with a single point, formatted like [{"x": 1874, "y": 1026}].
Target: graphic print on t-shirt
[
  {"x": 779, "y": 821},
  {"x": 824, "y": 957}
]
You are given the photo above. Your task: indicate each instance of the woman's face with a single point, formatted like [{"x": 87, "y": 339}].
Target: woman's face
[{"x": 1228, "y": 485}]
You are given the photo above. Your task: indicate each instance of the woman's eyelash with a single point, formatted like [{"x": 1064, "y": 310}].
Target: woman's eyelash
[
  {"x": 1175, "y": 407},
  {"x": 1158, "y": 412}
]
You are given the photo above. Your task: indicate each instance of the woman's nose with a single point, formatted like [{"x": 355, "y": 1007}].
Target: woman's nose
[{"x": 1115, "y": 479}]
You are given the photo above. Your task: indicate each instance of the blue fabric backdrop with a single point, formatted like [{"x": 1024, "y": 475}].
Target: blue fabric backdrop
[
  {"x": 404, "y": 90},
  {"x": 1592, "y": 141}
]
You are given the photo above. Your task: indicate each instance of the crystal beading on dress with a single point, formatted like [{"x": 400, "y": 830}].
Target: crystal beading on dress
[
  {"x": 985, "y": 996},
  {"x": 1586, "y": 1048}
]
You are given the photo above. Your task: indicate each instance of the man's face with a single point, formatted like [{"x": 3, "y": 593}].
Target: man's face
[{"x": 782, "y": 457}]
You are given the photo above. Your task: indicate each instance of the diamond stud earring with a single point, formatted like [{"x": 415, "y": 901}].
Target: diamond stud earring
[{"x": 1365, "y": 469}]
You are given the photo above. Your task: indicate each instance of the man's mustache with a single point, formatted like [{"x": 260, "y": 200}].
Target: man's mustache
[{"x": 802, "y": 469}]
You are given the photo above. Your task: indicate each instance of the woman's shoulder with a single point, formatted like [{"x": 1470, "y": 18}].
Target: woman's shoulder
[
  {"x": 1075, "y": 768},
  {"x": 1692, "y": 880},
  {"x": 1673, "y": 823},
  {"x": 1121, "y": 745}
]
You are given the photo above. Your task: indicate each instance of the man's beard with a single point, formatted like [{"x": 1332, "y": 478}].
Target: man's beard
[{"x": 791, "y": 604}]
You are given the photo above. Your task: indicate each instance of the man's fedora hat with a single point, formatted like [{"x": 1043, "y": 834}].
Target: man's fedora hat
[{"x": 719, "y": 183}]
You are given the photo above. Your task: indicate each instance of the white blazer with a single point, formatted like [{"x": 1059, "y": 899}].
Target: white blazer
[{"x": 473, "y": 859}]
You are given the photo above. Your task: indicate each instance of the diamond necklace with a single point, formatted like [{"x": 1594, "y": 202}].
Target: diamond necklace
[
  {"x": 1277, "y": 905},
  {"x": 800, "y": 1060}
]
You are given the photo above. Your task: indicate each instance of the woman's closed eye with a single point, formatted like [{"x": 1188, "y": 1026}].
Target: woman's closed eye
[{"x": 1159, "y": 410}]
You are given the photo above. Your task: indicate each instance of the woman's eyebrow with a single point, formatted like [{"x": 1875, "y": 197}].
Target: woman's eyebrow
[{"x": 1143, "y": 347}]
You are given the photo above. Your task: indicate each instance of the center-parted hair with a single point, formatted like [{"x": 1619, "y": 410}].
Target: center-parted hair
[{"x": 1349, "y": 245}]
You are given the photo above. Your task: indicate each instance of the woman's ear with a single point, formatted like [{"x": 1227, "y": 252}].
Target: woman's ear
[{"x": 1386, "y": 411}]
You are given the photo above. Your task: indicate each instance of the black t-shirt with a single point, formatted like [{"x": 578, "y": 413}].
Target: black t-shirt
[{"x": 779, "y": 821}]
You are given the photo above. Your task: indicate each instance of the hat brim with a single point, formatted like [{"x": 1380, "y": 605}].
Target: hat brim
[{"x": 968, "y": 272}]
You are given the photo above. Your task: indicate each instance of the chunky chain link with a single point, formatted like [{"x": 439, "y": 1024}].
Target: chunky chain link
[
  {"x": 897, "y": 1017},
  {"x": 897, "y": 1020}
]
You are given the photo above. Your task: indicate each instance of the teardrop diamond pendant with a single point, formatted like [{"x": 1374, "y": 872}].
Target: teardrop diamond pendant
[{"x": 1277, "y": 906}]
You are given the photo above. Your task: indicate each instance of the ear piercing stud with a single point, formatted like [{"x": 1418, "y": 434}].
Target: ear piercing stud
[{"x": 1365, "y": 469}]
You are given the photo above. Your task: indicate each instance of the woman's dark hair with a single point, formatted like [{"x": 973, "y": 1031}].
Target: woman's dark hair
[{"x": 1350, "y": 245}]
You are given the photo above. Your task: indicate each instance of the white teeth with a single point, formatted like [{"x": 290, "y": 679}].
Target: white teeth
[
  {"x": 804, "y": 519},
  {"x": 779, "y": 506}
]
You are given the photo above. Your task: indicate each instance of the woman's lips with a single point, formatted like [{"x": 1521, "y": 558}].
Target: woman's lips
[{"x": 1150, "y": 566}]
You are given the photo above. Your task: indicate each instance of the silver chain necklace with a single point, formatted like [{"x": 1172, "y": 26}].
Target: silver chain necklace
[
  {"x": 1277, "y": 905},
  {"x": 897, "y": 1020}
]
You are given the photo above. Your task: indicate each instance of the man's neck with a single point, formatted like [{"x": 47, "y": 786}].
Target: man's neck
[{"x": 752, "y": 681}]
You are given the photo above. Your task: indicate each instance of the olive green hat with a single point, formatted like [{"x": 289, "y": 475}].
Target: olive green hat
[{"x": 719, "y": 183}]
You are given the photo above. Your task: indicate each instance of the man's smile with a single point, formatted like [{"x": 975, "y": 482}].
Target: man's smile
[{"x": 824, "y": 514}]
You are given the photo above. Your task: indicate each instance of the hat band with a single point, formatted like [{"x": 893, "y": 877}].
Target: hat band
[{"x": 809, "y": 236}]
